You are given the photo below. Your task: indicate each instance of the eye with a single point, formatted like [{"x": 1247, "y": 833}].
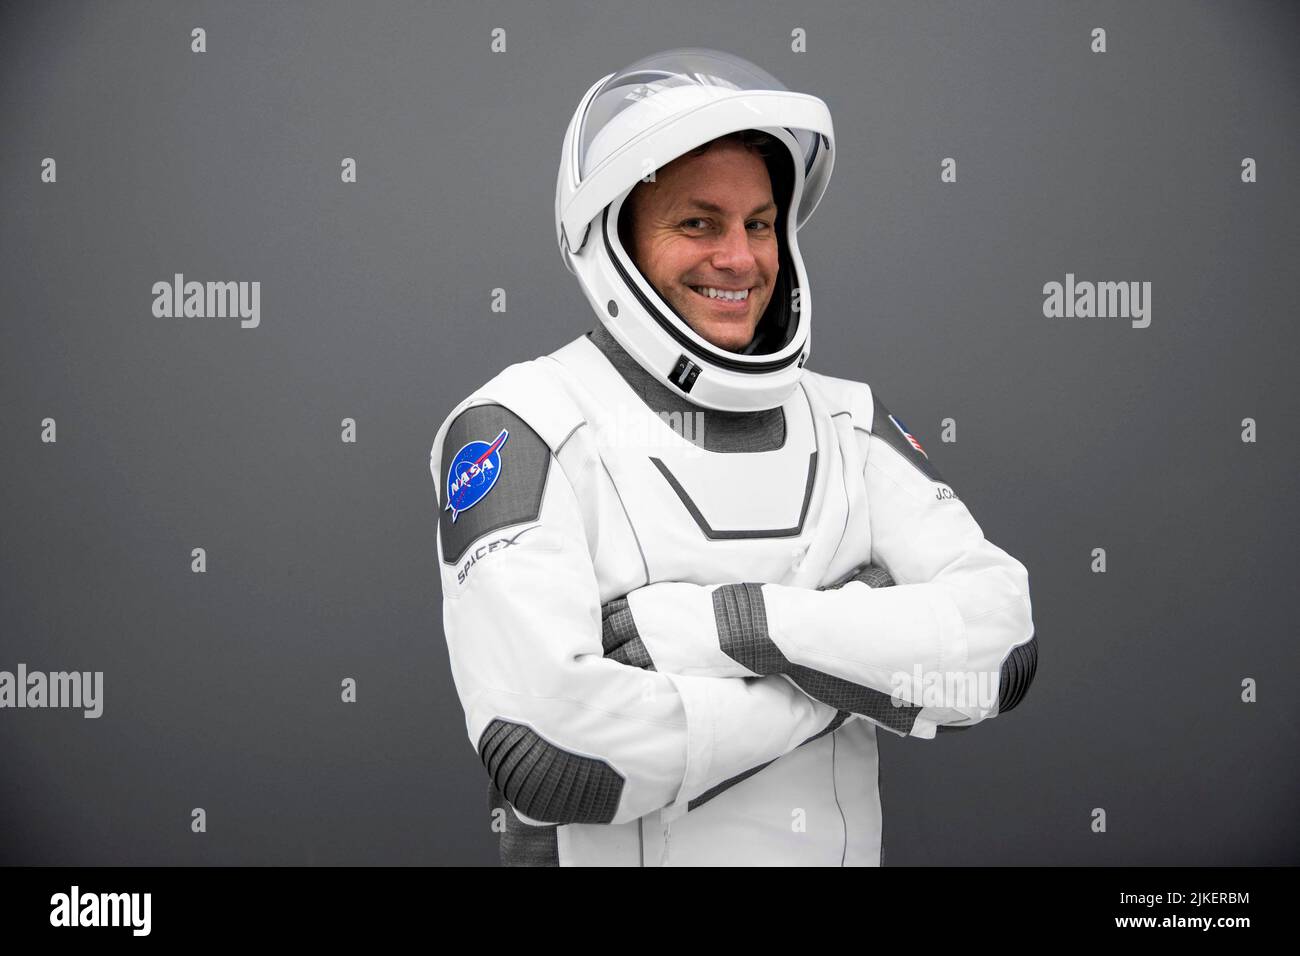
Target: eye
[
  {"x": 762, "y": 224},
  {"x": 687, "y": 222}
]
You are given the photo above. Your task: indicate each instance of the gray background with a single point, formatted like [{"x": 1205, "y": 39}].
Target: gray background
[{"x": 222, "y": 689}]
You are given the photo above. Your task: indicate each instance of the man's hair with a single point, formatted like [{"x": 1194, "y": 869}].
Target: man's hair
[
  {"x": 768, "y": 148},
  {"x": 754, "y": 139}
]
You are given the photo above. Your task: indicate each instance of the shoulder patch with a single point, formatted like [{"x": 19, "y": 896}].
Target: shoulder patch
[
  {"x": 473, "y": 473},
  {"x": 895, "y": 434},
  {"x": 494, "y": 470}
]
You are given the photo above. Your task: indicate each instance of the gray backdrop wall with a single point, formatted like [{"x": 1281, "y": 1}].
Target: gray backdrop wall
[{"x": 221, "y": 690}]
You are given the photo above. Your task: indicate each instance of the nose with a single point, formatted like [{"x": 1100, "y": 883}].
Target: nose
[{"x": 733, "y": 253}]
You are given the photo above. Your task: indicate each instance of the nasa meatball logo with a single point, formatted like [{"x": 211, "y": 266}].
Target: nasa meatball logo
[{"x": 473, "y": 472}]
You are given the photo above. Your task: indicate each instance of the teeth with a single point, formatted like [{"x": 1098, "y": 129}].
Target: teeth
[{"x": 713, "y": 293}]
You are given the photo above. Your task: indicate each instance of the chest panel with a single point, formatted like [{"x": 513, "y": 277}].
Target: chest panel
[{"x": 795, "y": 515}]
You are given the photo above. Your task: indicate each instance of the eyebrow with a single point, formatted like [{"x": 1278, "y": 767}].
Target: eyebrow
[{"x": 713, "y": 207}]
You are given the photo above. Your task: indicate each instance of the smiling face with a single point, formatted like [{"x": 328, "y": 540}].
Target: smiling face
[{"x": 704, "y": 234}]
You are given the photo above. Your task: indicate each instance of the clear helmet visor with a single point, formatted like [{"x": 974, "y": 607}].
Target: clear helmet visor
[{"x": 665, "y": 86}]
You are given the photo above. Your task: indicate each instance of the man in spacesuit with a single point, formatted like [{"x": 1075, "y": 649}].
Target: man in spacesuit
[{"x": 675, "y": 646}]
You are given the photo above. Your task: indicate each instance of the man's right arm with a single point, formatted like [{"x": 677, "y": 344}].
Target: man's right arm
[{"x": 568, "y": 735}]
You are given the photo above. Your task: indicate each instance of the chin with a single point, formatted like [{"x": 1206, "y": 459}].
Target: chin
[
  {"x": 731, "y": 339},
  {"x": 731, "y": 336}
]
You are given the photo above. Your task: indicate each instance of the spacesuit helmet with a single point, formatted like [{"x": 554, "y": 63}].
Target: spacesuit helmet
[{"x": 638, "y": 120}]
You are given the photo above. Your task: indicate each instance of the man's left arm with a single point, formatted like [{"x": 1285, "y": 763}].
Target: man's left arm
[{"x": 953, "y": 639}]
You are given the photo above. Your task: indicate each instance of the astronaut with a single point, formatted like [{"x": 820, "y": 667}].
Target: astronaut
[{"x": 676, "y": 646}]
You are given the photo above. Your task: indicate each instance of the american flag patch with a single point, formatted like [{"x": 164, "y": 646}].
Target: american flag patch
[{"x": 911, "y": 439}]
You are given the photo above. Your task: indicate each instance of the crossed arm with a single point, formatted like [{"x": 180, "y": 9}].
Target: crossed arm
[
  {"x": 953, "y": 648},
  {"x": 575, "y": 725},
  {"x": 725, "y": 632}
]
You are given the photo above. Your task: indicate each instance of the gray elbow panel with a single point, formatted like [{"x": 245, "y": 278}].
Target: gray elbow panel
[
  {"x": 1017, "y": 674},
  {"x": 1014, "y": 680},
  {"x": 545, "y": 782}
]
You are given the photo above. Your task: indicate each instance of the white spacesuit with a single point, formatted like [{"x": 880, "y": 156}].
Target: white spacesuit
[{"x": 674, "y": 643}]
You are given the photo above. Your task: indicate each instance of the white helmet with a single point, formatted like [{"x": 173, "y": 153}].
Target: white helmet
[{"x": 642, "y": 118}]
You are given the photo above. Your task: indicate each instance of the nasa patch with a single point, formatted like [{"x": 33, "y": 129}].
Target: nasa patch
[{"x": 473, "y": 473}]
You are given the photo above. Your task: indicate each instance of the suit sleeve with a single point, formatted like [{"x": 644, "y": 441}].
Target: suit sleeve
[
  {"x": 707, "y": 630},
  {"x": 568, "y": 735},
  {"x": 951, "y": 643}
]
